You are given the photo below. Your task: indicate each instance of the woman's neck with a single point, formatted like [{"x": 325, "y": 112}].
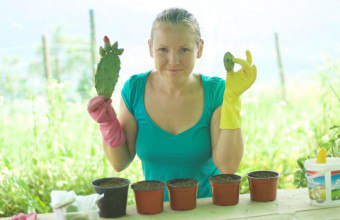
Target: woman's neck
[{"x": 174, "y": 87}]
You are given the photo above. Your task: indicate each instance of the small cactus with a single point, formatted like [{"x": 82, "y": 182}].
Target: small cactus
[
  {"x": 228, "y": 61},
  {"x": 108, "y": 68}
]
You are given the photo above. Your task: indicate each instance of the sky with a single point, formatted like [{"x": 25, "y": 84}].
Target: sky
[{"x": 309, "y": 31}]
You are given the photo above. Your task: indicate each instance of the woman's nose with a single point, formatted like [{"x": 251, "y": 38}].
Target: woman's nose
[{"x": 174, "y": 58}]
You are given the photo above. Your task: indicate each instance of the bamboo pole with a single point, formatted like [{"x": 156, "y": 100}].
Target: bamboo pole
[
  {"x": 93, "y": 44},
  {"x": 279, "y": 61},
  {"x": 46, "y": 56}
]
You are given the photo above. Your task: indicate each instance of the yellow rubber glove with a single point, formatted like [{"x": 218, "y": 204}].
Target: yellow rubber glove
[{"x": 236, "y": 84}]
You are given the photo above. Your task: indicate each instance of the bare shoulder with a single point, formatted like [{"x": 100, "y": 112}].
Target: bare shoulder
[
  {"x": 151, "y": 80},
  {"x": 197, "y": 80}
]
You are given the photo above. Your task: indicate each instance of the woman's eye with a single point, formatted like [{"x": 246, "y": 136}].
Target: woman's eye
[
  {"x": 162, "y": 50},
  {"x": 184, "y": 50}
]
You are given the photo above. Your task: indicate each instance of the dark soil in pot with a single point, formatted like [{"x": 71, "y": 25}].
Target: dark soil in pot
[
  {"x": 263, "y": 174},
  {"x": 112, "y": 182},
  {"x": 147, "y": 185},
  {"x": 225, "y": 178},
  {"x": 182, "y": 183}
]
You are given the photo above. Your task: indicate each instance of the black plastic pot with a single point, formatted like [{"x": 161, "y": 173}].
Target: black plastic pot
[{"x": 115, "y": 190}]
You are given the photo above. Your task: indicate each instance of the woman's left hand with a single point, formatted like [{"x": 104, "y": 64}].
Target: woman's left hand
[{"x": 240, "y": 81}]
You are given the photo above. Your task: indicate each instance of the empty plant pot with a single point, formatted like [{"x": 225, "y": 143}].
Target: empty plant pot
[
  {"x": 182, "y": 193},
  {"x": 263, "y": 185},
  {"x": 115, "y": 191},
  {"x": 225, "y": 189},
  {"x": 149, "y": 196}
]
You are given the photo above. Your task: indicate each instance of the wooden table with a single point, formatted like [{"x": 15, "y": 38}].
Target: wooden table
[{"x": 290, "y": 204}]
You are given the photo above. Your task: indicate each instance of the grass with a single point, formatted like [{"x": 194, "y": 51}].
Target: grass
[{"x": 50, "y": 143}]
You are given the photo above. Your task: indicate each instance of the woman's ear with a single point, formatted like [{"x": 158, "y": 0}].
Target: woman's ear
[
  {"x": 200, "y": 49},
  {"x": 150, "y": 47}
]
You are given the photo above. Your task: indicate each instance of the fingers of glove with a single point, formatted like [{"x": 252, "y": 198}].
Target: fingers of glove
[
  {"x": 104, "y": 105},
  {"x": 245, "y": 65},
  {"x": 32, "y": 216},
  {"x": 249, "y": 57},
  {"x": 15, "y": 217},
  {"x": 22, "y": 216},
  {"x": 254, "y": 71},
  {"x": 251, "y": 75},
  {"x": 105, "y": 113},
  {"x": 95, "y": 103},
  {"x": 103, "y": 116}
]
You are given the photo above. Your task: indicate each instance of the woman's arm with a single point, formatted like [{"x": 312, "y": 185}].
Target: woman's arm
[
  {"x": 226, "y": 135},
  {"x": 227, "y": 145},
  {"x": 120, "y": 157}
]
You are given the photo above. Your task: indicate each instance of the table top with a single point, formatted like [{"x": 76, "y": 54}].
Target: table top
[{"x": 289, "y": 204}]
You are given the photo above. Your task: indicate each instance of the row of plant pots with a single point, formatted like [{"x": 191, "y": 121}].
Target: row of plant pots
[{"x": 149, "y": 195}]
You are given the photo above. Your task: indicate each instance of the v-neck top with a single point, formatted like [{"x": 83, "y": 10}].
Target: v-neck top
[{"x": 166, "y": 156}]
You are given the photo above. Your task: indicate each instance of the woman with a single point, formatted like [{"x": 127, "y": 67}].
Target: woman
[{"x": 180, "y": 124}]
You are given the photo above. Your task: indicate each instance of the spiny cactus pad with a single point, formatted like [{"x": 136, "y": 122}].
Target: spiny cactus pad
[
  {"x": 108, "y": 68},
  {"x": 228, "y": 61}
]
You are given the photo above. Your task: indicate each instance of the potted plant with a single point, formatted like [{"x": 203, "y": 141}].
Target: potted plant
[
  {"x": 182, "y": 193},
  {"x": 115, "y": 190},
  {"x": 225, "y": 189},
  {"x": 149, "y": 196},
  {"x": 263, "y": 185}
]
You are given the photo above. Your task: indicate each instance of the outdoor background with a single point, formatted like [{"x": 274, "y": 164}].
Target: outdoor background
[{"x": 48, "y": 141}]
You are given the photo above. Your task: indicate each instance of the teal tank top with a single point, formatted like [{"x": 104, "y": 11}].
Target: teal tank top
[{"x": 165, "y": 156}]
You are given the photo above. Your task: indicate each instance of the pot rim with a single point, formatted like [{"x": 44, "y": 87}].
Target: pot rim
[
  {"x": 268, "y": 171},
  {"x": 234, "y": 175},
  {"x": 169, "y": 183},
  {"x": 155, "y": 181},
  {"x": 93, "y": 183}
]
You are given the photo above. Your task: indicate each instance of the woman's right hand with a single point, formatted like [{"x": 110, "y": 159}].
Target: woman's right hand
[{"x": 101, "y": 110}]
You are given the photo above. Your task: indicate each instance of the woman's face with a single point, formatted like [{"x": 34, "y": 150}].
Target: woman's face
[{"x": 174, "y": 49}]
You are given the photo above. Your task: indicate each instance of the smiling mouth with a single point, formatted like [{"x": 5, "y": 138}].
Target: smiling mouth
[{"x": 173, "y": 70}]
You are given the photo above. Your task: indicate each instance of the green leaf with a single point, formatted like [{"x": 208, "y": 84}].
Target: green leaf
[
  {"x": 115, "y": 46},
  {"x": 120, "y": 51},
  {"x": 107, "y": 75},
  {"x": 301, "y": 162}
]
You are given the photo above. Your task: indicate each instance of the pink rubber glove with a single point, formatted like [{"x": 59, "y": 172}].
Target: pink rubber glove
[
  {"x": 22, "y": 216},
  {"x": 102, "y": 112}
]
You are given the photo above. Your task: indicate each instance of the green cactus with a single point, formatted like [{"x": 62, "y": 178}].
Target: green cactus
[
  {"x": 108, "y": 69},
  {"x": 228, "y": 61}
]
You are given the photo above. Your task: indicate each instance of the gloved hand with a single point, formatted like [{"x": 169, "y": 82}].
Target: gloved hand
[
  {"x": 101, "y": 110},
  {"x": 236, "y": 83},
  {"x": 22, "y": 216}
]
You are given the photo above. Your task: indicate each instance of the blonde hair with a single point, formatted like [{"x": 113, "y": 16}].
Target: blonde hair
[{"x": 178, "y": 16}]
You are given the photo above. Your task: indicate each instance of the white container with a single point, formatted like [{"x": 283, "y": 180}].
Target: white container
[
  {"x": 61, "y": 214},
  {"x": 323, "y": 181}
]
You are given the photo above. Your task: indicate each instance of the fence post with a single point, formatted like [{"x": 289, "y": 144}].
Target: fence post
[
  {"x": 282, "y": 78},
  {"x": 46, "y": 55},
  {"x": 93, "y": 44}
]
